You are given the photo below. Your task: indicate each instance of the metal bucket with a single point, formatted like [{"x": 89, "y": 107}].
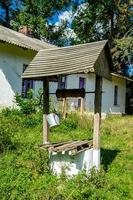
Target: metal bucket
[{"x": 53, "y": 120}]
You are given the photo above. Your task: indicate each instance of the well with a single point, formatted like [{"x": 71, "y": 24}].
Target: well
[
  {"x": 70, "y": 157},
  {"x": 48, "y": 65}
]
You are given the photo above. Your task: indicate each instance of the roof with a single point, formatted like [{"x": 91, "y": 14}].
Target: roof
[
  {"x": 21, "y": 40},
  {"x": 121, "y": 76},
  {"x": 70, "y": 60}
]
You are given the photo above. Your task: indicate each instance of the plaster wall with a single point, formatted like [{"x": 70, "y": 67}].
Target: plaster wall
[
  {"x": 72, "y": 165},
  {"x": 107, "y": 95},
  {"x": 12, "y": 59}
]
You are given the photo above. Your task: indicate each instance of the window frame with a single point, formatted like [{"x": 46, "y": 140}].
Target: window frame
[
  {"x": 115, "y": 95},
  {"x": 26, "y": 84},
  {"x": 62, "y": 82}
]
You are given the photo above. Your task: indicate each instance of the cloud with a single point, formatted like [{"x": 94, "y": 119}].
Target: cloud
[{"x": 66, "y": 16}]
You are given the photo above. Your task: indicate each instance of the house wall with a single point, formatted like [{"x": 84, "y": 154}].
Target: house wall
[
  {"x": 12, "y": 59},
  {"x": 107, "y": 96}
]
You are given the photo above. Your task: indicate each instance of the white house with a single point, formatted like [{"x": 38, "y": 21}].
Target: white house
[
  {"x": 113, "y": 92},
  {"x": 16, "y": 52}
]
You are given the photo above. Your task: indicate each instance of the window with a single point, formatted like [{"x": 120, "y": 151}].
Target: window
[
  {"x": 81, "y": 82},
  {"x": 116, "y": 95},
  {"x": 62, "y": 82},
  {"x": 26, "y": 84}
]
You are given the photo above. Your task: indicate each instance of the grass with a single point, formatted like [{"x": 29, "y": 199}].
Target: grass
[{"x": 24, "y": 170}]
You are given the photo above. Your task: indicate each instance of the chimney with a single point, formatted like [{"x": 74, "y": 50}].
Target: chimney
[{"x": 26, "y": 31}]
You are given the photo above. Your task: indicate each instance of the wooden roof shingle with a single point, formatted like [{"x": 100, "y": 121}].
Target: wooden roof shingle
[
  {"x": 70, "y": 60},
  {"x": 21, "y": 40}
]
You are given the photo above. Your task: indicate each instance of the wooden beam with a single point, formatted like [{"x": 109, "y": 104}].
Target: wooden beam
[
  {"x": 45, "y": 110},
  {"x": 64, "y": 108},
  {"x": 63, "y": 93},
  {"x": 82, "y": 105},
  {"x": 97, "y": 120},
  {"x": 98, "y": 94}
]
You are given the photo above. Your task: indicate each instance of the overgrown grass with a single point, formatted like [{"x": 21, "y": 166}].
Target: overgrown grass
[{"x": 24, "y": 172}]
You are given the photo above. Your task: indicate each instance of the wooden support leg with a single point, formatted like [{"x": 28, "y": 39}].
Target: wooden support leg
[
  {"x": 45, "y": 110},
  {"x": 64, "y": 108},
  {"x": 82, "y": 105},
  {"x": 97, "y": 120},
  {"x": 45, "y": 130},
  {"x": 96, "y": 141}
]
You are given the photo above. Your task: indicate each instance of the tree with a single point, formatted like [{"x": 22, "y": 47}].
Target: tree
[
  {"x": 101, "y": 19},
  {"x": 35, "y": 14},
  {"x": 122, "y": 53},
  {"x": 10, "y": 9}
]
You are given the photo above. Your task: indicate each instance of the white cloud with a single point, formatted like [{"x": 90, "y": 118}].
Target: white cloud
[
  {"x": 63, "y": 17},
  {"x": 66, "y": 16}
]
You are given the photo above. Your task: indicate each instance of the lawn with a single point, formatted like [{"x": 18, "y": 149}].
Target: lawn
[{"x": 24, "y": 172}]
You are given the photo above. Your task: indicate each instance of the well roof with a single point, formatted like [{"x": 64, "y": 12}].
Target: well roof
[
  {"x": 70, "y": 60},
  {"x": 21, "y": 40}
]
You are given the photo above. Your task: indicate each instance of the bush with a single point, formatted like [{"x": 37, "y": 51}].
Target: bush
[
  {"x": 32, "y": 120},
  {"x": 13, "y": 120},
  {"x": 7, "y": 130},
  {"x": 27, "y": 105}
]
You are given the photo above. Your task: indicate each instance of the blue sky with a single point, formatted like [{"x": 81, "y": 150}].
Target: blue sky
[{"x": 55, "y": 18}]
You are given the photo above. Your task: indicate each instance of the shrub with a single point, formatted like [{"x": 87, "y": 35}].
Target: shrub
[
  {"x": 6, "y": 132},
  {"x": 27, "y": 105},
  {"x": 32, "y": 120}
]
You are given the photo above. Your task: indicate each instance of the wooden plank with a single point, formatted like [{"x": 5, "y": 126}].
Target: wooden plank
[
  {"x": 73, "y": 147},
  {"x": 63, "y": 147},
  {"x": 75, "y": 152},
  {"x": 52, "y": 147},
  {"x": 77, "y": 148},
  {"x": 70, "y": 146}
]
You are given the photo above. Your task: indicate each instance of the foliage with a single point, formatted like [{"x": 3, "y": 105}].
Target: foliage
[
  {"x": 24, "y": 172},
  {"x": 74, "y": 122},
  {"x": 11, "y": 121},
  {"x": 30, "y": 104},
  {"x": 122, "y": 52},
  {"x": 36, "y": 15},
  {"x": 10, "y": 8},
  {"x": 97, "y": 20},
  {"x": 6, "y": 131}
]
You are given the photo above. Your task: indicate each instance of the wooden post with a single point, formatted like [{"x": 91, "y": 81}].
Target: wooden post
[
  {"x": 64, "y": 108},
  {"x": 45, "y": 110},
  {"x": 82, "y": 106},
  {"x": 97, "y": 120}
]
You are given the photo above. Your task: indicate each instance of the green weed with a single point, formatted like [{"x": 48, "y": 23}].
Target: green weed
[{"x": 24, "y": 169}]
